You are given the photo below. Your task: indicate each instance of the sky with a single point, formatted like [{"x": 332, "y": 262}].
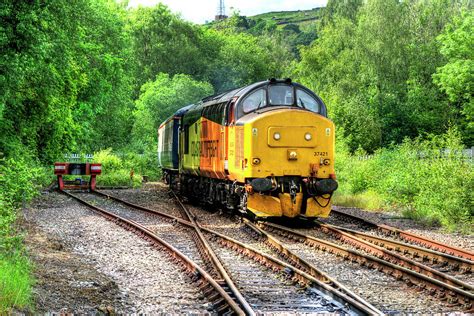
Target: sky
[{"x": 200, "y": 11}]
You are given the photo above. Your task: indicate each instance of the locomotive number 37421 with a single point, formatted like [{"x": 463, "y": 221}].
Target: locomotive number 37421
[{"x": 320, "y": 154}]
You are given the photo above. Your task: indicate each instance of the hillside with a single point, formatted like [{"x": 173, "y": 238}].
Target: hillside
[
  {"x": 295, "y": 28},
  {"x": 287, "y": 17}
]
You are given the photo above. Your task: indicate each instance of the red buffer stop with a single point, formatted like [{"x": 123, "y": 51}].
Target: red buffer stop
[{"x": 79, "y": 169}]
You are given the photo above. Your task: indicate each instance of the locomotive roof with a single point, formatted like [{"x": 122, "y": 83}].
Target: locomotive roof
[
  {"x": 183, "y": 110},
  {"x": 178, "y": 113},
  {"x": 227, "y": 95}
]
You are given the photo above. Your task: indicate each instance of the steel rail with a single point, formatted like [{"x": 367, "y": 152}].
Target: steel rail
[
  {"x": 454, "y": 294},
  {"x": 304, "y": 265},
  {"x": 209, "y": 254},
  {"x": 148, "y": 235},
  {"x": 436, "y": 257},
  {"x": 414, "y": 238},
  {"x": 297, "y": 275},
  {"x": 393, "y": 257},
  {"x": 215, "y": 260}
]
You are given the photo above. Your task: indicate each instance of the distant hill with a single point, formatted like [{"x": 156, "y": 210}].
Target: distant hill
[
  {"x": 296, "y": 28},
  {"x": 287, "y": 17}
]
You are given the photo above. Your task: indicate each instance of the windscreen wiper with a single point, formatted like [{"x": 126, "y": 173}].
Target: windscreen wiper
[{"x": 302, "y": 103}]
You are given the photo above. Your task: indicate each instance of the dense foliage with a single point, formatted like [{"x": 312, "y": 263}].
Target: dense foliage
[
  {"x": 430, "y": 180},
  {"x": 96, "y": 76},
  {"x": 387, "y": 73},
  {"x": 19, "y": 182},
  {"x": 158, "y": 100}
]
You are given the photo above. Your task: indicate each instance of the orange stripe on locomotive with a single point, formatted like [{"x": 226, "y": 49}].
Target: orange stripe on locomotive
[{"x": 212, "y": 149}]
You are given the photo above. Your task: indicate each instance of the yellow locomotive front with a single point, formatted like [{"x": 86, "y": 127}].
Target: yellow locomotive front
[{"x": 282, "y": 147}]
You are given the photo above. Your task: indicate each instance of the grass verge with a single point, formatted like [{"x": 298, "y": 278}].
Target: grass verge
[
  {"x": 368, "y": 200},
  {"x": 15, "y": 283},
  {"x": 20, "y": 179}
]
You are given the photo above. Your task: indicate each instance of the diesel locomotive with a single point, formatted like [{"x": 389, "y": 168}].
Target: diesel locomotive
[{"x": 266, "y": 149}]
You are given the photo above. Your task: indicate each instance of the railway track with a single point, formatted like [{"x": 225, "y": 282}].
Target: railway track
[
  {"x": 292, "y": 256},
  {"x": 221, "y": 300},
  {"x": 296, "y": 270},
  {"x": 431, "y": 261},
  {"x": 319, "y": 296},
  {"x": 435, "y": 246},
  {"x": 387, "y": 252},
  {"x": 456, "y": 293},
  {"x": 441, "y": 260}
]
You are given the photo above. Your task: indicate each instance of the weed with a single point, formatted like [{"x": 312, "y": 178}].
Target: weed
[{"x": 428, "y": 179}]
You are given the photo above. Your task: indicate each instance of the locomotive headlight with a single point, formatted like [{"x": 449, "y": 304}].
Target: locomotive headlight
[
  {"x": 308, "y": 136},
  {"x": 277, "y": 136}
]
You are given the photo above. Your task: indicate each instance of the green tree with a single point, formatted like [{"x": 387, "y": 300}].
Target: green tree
[
  {"x": 40, "y": 79},
  {"x": 456, "y": 77},
  {"x": 162, "y": 42},
  {"x": 371, "y": 67},
  {"x": 104, "y": 51},
  {"x": 161, "y": 98},
  {"x": 347, "y": 9},
  {"x": 243, "y": 59},
  {"x": 65, "y": 66}
]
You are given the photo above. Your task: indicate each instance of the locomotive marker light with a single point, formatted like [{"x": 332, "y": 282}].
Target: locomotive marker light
[
  {"x": 277, "y": 136},
  {"x": 292, "y": 154},
  {"x": 308, "y": 136},
  {"x": 255, "y": 161}
]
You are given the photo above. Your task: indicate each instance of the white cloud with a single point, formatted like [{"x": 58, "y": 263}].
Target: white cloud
[{"x": 199, "y": 11}]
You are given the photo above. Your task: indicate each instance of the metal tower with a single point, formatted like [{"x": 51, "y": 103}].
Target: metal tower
[{"x": 220, "y": 11}]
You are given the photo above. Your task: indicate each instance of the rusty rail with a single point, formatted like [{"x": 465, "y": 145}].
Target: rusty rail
[
  {"x": 414, "y": 238},
  {"x": 436, "y": 257},
  {"x": 296, "y": 275},
  {"x": 304, "y": 265},
  {"x": 215, "y": 260},
  {"x": 453, "y": 294},
  {"x": 392, "y": 257},
  {"x": 222, "y": 301}
]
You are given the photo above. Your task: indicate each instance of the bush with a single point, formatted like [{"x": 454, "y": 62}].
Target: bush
[
  {"x": 117, "y": 168},
  {"x": 429, "y": 180},
  {"x": 20, "y": 180}
]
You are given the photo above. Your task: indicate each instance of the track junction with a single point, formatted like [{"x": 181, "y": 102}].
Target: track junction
[{"x": 257, "y": 269}]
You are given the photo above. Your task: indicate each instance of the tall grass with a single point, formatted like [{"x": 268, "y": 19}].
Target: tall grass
[
  {"x": 19, "y": 180},
  {"x": 429, "y": 180},
  {"x": 15, "y": 283}
]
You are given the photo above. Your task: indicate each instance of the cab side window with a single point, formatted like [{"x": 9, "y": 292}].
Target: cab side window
[{"x": 305, "y": 100}]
